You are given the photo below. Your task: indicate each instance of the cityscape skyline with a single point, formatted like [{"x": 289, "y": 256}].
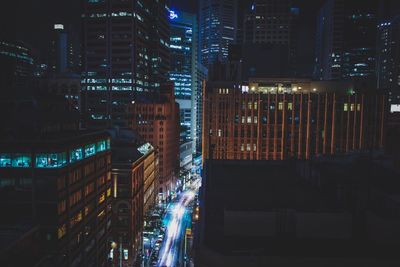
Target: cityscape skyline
[{"x": 194, "y": 133}]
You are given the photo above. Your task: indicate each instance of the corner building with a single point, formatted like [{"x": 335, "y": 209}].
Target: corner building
[
  {"x": 156, "y": 120},
  {"x": 277, "y": 119},
  {"x": 62, "y": 185}
]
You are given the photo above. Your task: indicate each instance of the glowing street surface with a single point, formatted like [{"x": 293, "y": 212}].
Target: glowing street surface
[{"x": 176, "y": 221}]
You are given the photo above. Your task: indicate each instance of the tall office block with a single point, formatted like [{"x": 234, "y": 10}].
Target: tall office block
[
  {"x": 218, "y": 24},
  {"x": 277, "y": 119},
  {"x": 122, "y": 56},
  {"x": 183, "y": 45},
  {"x": 346, "y": 40},
  {"x": 16, "y": 63},
  {"x": 202, "y": 76},
  {"x": 64, "y": 53},
  {"x": 388, "y": 49}
]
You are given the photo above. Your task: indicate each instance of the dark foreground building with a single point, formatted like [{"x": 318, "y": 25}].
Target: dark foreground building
[
  {"x": 327, "y": 212},
  {"x": 55, "y": 187}
]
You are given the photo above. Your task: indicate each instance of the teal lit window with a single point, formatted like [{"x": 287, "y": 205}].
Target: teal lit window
[
  {"x": 76, "y": 154},
  {"x": 108, "y": 144},
  {"x": 90, "y": 150},
  {"x": 21, "y": 161},
  {"x": 5, "y": 160},
  {"x": 101, "y": 146},
  {"x": 51, "y": 160}
]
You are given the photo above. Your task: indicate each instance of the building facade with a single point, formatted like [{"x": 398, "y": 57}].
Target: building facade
[
  {"x": 276, "y": 119},
  {"x": 183, "y": 45},
  {"x": 17, "y": 64},
  {"x": 156, "y": 121},
  {"x": 64, "y": 185},
  {"x": 135, "y": 177},
  {"x": 218, "y": 24},
  {"x": 346, "y": 40},
  {"x": 125, "y": 54}
]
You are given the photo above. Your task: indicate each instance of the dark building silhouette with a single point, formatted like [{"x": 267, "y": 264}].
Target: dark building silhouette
[
  {"x": 346, "y": 40},
  {"x": 56, "y": 179},
  {"x": 332, "y": 211}
]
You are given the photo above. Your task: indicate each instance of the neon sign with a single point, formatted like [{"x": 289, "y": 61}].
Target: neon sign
[{"x": 172, "y": 15}]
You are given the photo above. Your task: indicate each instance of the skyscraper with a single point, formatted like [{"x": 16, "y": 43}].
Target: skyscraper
[
  {"x": 122, "y": 56},
  {"x": 218, "y": 24},
  {"x": 388, "y": 50},
  {"x": 64, "y": 50},
  {"x": 183, "y": 73},
  {"x": 346, "y": 40}
]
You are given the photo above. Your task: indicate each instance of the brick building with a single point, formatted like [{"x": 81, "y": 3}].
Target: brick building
[
  {"x": 156, "y": 120},
  {"x": 276, "y": 119}
]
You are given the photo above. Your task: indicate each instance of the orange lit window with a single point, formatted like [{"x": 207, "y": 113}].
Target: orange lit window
[
  {"x": 62, "y": 230},
  {"x": 108, "y": 192},
  {"x": 76, "y": 219},
  {"x": 102, "y": 198}
]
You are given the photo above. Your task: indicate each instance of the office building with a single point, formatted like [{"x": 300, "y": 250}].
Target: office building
[
  {"x": 135, "y": 177},
  {"x": 218, "y": 24},
  {"x": 125, "y": 53},
  {"x": 276, "y": 119},
  {"x": 57, "y": 179},
  {"x": 298, "y": 213},
  {"x": 346, "y": 40},
  {"x": 156, "y": 120},
  {"x": 202, "y": 77},
  {"x": 388, "y": 49},
  {"x": 183, "y": 45},
  {"x": 64, "y": 53},
  {"x": 16, "y": 64}
]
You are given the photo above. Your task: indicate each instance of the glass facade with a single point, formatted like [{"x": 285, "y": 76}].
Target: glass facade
[
  {"x": 52, "y": 159},
  {"x": 15, "y": 160},
  {"x": 75, "y": 155}
]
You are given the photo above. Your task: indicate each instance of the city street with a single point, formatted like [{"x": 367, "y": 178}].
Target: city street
[{"x": 176, "y": 221}]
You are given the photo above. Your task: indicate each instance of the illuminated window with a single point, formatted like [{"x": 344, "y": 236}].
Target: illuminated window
[
  {"x": 108, "y": 192},
  {"x": 248, "y": 119},
  {"x": 219, "y": 132},
  {"x": 75, "y": 155},
  {"x": 243, "y": 119},
  {"x": 249, "y": 105},
  {"x": 242, "y": 147},
  {"x": 76, "y": 219},
  {"x": 100, "y": 181},
  {"x": 90, "y": 150},
  {"x": 102, "y": 198},
  {"x": 62, "y": 231},
  {"x": 52, "y": 160},
  {"x": 290, "y": 106},
  {"x": 280, "y": 106},
  {"x": 352, "y": 107},
  {"x": 101, "y": 146},
  {"x": 255, "y": 105},
  {"x": 5, "y": 160},
  {"x": 254, "y": 147},
  {"x": 255, "y": 120},
  {"x": 358, "y": 107},
  {"x": 101, "y": 214},
  {"x": 345, "y": 107},
  {"x": 248, "y": 147},
  {"x": 21, "y": 160}
]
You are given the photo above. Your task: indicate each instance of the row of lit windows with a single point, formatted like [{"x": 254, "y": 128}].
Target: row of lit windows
[{"x": 51, "y": 160}]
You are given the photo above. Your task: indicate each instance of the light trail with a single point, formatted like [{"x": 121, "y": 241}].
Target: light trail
[{"x": 170, "y": 248}]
